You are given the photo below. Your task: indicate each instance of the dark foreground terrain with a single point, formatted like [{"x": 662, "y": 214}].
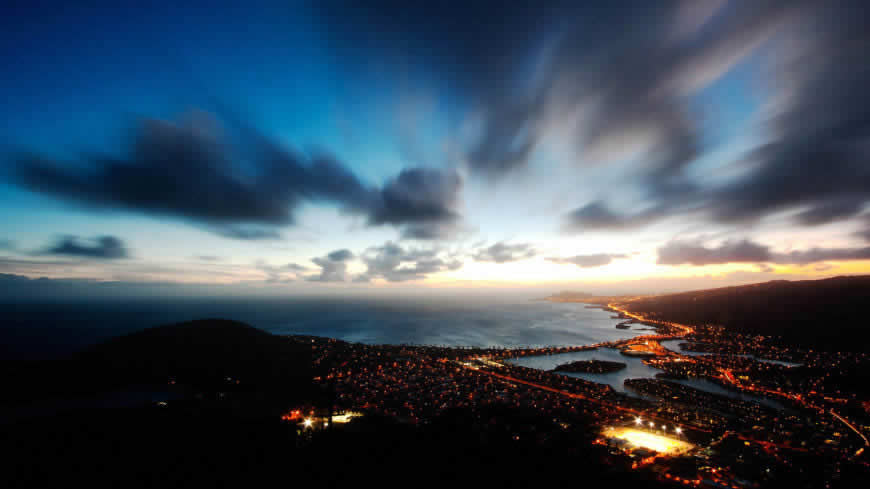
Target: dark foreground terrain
[
  {"x": 217, "y": 391},
  {"x": 219, "y": 403}
]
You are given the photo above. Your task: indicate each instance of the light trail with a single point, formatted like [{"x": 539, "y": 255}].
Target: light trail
[{"x": 853, "y": 428}]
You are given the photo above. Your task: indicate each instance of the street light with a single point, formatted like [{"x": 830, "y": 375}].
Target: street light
[
  {"x": 307, "y": 422},
  {"x": 638, "y": 421}
]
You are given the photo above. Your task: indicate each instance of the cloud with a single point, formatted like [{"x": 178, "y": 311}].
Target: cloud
[
  {"x": 819, "y": 123},
  {"x": 340, "y": 255},
  {"x": 831, "y": 210},
  {"x": 558, "y": 64},
  {"x": 295, "y": 267},
  {"x": 598, "y": 216},
  {"x": 814, "y": 125},
  {"x": 504, "y": 253},
  {"x": 814, "y": 255},
  {"x": 421, "y": 199},
  {"x": 555, "y": 73},
  {"x": 281, "y": 274},
  {"x": 187, "y": 170},
  {"x": 865, "y": 232},
  {"x": 588, "y": 261},
  {"x": 246, "y": 191},
  {"x": 333, "y": 266},
  {"x": 746, "y": 251},
  {"x": 694, "y": 253},
  {"x": 394, "y": 263},
  {"x": 102, "y": 248},
  {"x": 7, "y": 244},
  {"x": 248, "y": 234}
]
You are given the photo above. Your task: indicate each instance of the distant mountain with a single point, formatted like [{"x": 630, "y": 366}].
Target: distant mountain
[{"x": 828, "y": 313}]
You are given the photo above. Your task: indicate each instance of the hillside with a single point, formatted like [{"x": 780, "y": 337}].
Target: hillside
[
  {"x": 825, "y": 313},
  {"x": 207, "y": 355}
]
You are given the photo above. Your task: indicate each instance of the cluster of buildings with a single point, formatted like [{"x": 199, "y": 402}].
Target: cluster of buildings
[{"x": 683, "y": 434}]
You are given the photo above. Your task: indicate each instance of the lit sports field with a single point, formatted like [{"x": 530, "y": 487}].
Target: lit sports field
[{"x": 662, "y": 444}]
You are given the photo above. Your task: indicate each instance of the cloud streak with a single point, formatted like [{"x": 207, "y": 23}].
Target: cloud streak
[
  {"x": 588, "y": 261},
  {"x": 191, "y": 171},
  {"x": 100, "y": 248},
  {"x": 746, "y": 251},
  {"x": 504, "y": 253}
]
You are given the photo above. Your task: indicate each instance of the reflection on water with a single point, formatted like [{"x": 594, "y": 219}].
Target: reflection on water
[
  {"x": 30, "y": 330},
  {"x": 674, "y": 346},
  {"x": 635, "y": 368},
  {"x": 712, "y": 387}
]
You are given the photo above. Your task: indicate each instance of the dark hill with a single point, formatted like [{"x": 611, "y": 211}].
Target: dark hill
[
  {"x": 209, "y": 355},
  {"x": 828, "y": 313},
  {"x": 206, "y": 349}
]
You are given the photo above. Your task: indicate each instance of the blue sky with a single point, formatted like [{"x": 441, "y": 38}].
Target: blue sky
[{"x": 482, "y": 146}]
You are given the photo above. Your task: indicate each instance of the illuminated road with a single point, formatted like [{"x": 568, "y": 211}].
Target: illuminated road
[{"x": 853, "y": 428}]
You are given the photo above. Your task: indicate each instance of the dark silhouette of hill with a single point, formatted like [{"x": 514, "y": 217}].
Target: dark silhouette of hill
[
  {"x": 827, "y": 313},
  {"x": 180, "y": 446},
  {"x": 208, "y": 355}
]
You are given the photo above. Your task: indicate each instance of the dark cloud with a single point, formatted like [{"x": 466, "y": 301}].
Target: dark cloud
[
  {"x": 832, "y": 210},
  {"x": 393, "y": 263},
  {"x": 820, "y": 127},
  {"x": 597, "y": 216},
  {"x": 816, "y": 128},
  {"x": 814, "y": 255},
  {"x": 102, "y": 248},
  {"x": 422, "y": 200},
  {"x": 695, "y": 253},
  {"x": 746, "y": 251},
  {"x": 503, "y": 253},
  {"x": 588, "y": 261},
  {"x": 340, "y": 255},
  {"x": 188, "y": 171},
  {"x": 242, "y": 191},
  {"x": 629, "y": 95},
  {"x": 333, "y": 266},
  {"x": 557, "y": 63}
]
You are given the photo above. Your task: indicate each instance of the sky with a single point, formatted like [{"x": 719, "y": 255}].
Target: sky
[{"x": 383, "y": 146}]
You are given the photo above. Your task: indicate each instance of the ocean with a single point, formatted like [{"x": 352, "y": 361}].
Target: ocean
[{"x": 40, "y": 330}]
